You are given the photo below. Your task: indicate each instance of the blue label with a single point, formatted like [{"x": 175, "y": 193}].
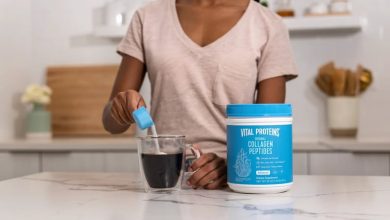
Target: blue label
[{"x": 259, "y": 155}]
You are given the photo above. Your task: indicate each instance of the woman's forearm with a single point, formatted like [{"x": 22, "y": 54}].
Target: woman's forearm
[
  {"x": 124, "y": 96},
  {"x": 272, "y": 90}
]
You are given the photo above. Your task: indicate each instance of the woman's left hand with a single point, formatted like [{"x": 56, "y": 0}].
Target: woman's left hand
[{"x": 210, "y": 172}]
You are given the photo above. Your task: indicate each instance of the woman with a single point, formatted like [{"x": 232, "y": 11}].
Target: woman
[{"x": 200, "y": 55}]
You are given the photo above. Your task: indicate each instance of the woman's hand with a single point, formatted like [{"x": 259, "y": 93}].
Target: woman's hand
[
  {"x": 210, "y": 172},
  {"x": 123, "y": 105}
]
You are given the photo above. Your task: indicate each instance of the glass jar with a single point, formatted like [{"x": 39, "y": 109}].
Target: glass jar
[
  {"x": 284, "y": 8},
  {"x": 115, "y": 13}
]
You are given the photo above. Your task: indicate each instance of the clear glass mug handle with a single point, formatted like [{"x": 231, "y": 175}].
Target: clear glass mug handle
[
  {"x": 191, "y": 158},
  {"x": 194, "y": 150},
  {"x": 196, "y": 153}
]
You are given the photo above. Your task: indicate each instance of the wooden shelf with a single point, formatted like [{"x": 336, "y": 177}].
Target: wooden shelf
[
  {"x": 304, "y": 24},
  {"x": 110, "y": 31},
  {"x": 299, "y": 24}
]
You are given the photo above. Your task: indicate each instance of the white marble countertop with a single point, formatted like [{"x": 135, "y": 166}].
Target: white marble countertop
[
  {"x": 107, "y": 196},
  {"x": 130, "y": 145}
]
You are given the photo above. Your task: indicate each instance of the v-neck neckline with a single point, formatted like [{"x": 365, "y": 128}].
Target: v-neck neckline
[{"x": 212, "y": 44}]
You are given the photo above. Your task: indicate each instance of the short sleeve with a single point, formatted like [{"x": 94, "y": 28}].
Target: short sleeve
[
  {"x": 132, "y": 43},
  {"x": 277, "y": 56}
]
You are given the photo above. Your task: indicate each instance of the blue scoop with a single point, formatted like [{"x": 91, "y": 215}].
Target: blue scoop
[{"x": 142, "y": 118}]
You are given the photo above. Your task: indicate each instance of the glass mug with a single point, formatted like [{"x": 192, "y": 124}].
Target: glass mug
[{"x": 163, "y": 161}]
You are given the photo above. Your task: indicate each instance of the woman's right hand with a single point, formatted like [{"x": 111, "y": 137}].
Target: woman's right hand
[{"x": 123, "y": 105}]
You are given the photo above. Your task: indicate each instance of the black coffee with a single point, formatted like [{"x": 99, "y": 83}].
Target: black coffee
[{"x": 162, "y": 171}]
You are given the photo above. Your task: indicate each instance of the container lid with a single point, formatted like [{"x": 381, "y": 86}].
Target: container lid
[
  {"x": 142, "y": 118},
  {"x": 259, "y": 110}
]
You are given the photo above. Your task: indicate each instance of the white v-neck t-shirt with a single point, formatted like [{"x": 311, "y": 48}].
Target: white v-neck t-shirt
[{"x": 191, "y": 85}]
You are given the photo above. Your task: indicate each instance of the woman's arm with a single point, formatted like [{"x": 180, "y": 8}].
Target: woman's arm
[
  {"x": 124, "y": 96},
  {"x": 272, "y": 90}
]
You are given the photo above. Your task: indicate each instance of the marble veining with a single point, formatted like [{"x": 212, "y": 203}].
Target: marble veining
[
  {"x": 119, "y": 196},
  {"x": 89, "y": 184}
]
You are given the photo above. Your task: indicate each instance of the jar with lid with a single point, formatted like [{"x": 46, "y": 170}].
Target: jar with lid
[
  {"x": 115, "y": 13},
  {"x": 120, "y": 12},
  {"x": 284, "y": 8},
  {"x": 259, "y": 148}
]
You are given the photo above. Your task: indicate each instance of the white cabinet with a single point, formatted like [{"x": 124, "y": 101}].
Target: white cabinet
[
  {"x": 339, "y": 163},
  {"x": 75, "y": 161},
  {"x": 300, "y": 164},
  {"x": 121, "y": 162},
  {"x": 90, "y": 162},
  {"x": 18, "y": 164},
  {"x": 21, "y": 158}
]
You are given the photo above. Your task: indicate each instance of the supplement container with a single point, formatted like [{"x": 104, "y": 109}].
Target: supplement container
[{"x": 259, "y": 148}]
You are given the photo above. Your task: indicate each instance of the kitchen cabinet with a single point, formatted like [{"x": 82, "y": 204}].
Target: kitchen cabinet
[
  {"x": 121, "y": 162},
  {"x": 18, "y": 164},
  {"x": 344, "y": 163},
  {"x": 73, "y": 161},
  {"x": 300, "y": 164},
  {"x": 327, "y": 157},
  {"x": 90, "y": 161},
  {"x": 305, "y": 163}
]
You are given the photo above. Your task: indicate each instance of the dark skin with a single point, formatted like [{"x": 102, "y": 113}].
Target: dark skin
[{"x": 204, "y": 21}]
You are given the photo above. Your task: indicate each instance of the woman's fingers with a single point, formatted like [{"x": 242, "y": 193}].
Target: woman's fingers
[
  {"x": 116, "y": 117},
  {"x": 118, "y": 114},
  {"x": 203, "y": 160},
  {"x": 211, "y": 170},
  {"x": 204, "y": 171},
  {"x": 128, "y": 105},
  {"x": 217, "y": 184},
  {"x": 212, "y": 176},
  {"x": 123, "y": 105},
  {"x": 133, "y": 100}
]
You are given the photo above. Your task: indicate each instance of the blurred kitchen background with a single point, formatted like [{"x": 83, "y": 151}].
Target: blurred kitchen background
[{"x": 71, "y": 46}]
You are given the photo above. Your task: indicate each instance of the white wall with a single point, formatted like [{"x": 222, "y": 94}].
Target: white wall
[
  {"x": 62, "y": 34},
  {"x": 369, "y": 47},
  {"x": 41, "y": 33},
  {"x": 59, "y": 32},
  {"x": 15, "y": 62}
]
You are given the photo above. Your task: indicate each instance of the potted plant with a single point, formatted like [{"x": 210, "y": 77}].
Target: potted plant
[{"x": 38, "y": 120}]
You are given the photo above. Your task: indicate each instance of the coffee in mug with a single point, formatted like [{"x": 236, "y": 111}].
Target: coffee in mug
[{"x": 162, "y": 161}]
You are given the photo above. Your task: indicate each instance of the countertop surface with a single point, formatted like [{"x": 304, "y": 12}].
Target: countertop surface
[
  {"x": 130, "y": 145},
  {"x": 107, "y": 196}
]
